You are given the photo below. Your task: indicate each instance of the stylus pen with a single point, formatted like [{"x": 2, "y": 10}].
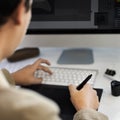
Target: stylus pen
[{"x": 84, "y": 82}]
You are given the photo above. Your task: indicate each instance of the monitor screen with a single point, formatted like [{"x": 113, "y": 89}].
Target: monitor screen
[
  {"x": 74, "y": 23},
  {"x": 82, "y": 16}
]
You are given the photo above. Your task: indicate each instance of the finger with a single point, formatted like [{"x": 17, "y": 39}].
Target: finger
[
  {"x": 95, "y": 92},
  {"x": 87, "y": 86},
  {"x": 37, "y": 81},
  {"x": 41, "y": 61},
  {"x": 45, "y": 69},
  {"x": 72, "y": 89}
]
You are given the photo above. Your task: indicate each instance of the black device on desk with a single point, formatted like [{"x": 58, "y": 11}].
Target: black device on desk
[
  {"x": 23, "y": 54},
  {"x": 60, "y": 94}
]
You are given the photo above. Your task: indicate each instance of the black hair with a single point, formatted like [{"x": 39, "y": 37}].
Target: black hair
[{"x": 7, "y": 7}]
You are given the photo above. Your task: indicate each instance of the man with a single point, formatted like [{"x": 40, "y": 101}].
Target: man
[{"x": 21, "y": 104}]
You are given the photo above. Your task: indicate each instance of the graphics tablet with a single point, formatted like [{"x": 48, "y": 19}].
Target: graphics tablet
[{"x": 60, "y": 94}]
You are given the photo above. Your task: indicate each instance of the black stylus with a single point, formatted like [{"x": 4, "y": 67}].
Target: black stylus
[{"x": 84, "y": 82}]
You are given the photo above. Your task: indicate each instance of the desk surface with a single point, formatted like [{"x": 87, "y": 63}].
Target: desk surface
[{"x": 103, "y": 58}]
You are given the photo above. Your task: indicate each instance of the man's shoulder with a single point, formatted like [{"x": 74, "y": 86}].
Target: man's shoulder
[
  {"x": 25, "y": 101},
  {"x": 22, "y": 95}
]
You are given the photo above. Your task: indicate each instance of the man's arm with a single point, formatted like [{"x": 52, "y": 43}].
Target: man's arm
[
  {"x": 86, "y": 103},
  {"x": 25, "y": 75}
]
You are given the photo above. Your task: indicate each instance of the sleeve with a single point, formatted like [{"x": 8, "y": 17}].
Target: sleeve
[
  {"x": 89, "y": 114},
  {"x": 8, "y": 77}
]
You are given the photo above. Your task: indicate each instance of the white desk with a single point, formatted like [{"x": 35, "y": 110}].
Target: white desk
[{"x": 104, "y": 58}]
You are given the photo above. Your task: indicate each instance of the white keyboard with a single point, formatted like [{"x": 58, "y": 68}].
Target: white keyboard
[{"x": 66, "y": 76}]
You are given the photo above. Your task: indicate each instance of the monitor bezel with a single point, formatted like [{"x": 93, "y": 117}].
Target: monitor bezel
[{"x": 73, "y": 31}]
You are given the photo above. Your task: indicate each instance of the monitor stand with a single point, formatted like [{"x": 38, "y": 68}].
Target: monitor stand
[{"x": 76, "y": 56}]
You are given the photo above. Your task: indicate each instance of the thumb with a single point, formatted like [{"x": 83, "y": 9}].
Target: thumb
[
  {"x": 72, "y": 89},
  {"x": 37, "y": 80}
]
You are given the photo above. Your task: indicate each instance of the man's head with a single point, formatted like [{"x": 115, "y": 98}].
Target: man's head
[
  {"x": 15, "y": 16},
  {"x": 7, "y": 7}
]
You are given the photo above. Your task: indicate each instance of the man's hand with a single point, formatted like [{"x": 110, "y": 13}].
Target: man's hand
[
  {"x": 25, "y": 76},
  {"x": 86, "y": 98}
]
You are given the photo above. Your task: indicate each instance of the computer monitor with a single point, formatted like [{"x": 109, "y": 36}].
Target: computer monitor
[{"x": 75, "y": 23}]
